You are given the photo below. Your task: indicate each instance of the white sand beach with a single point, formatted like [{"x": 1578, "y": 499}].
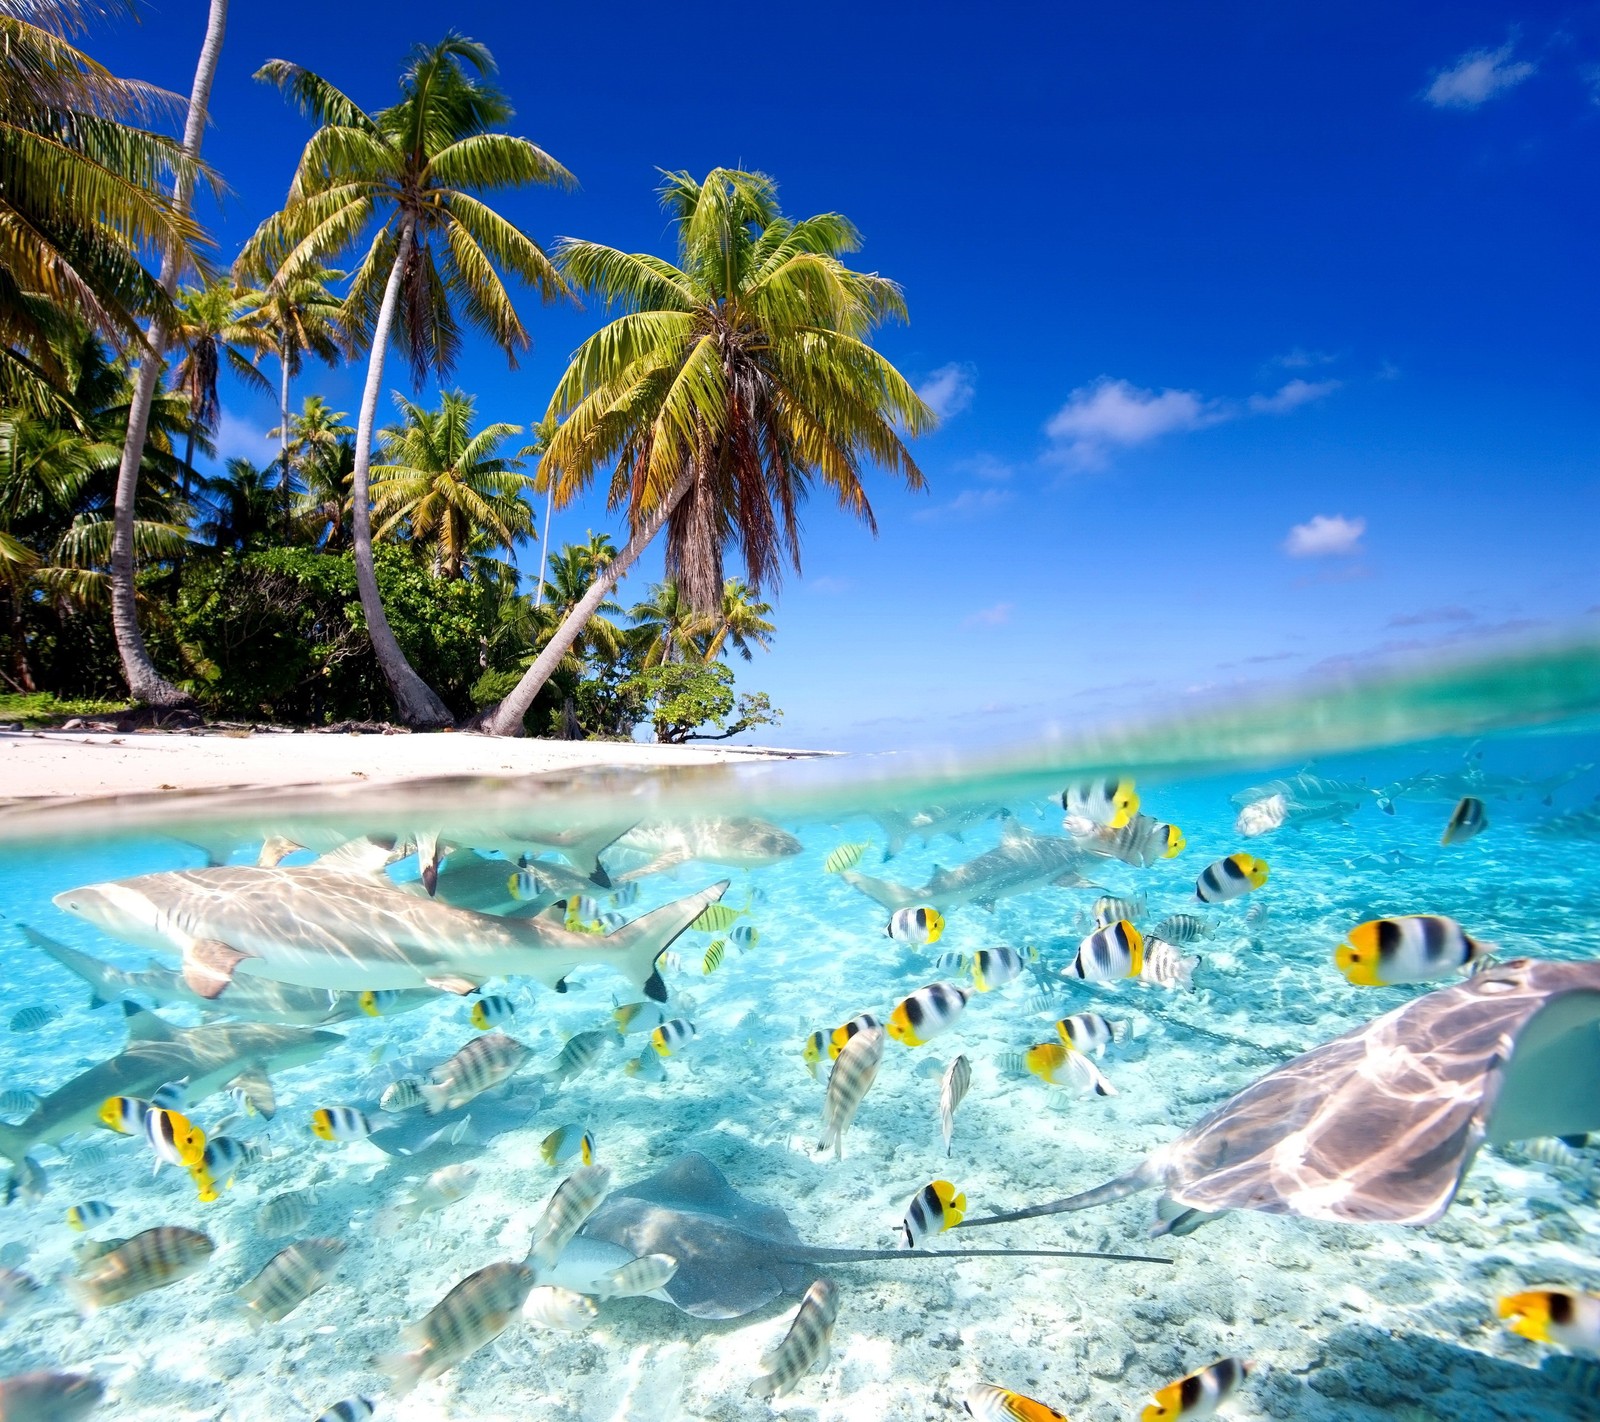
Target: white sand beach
[{"x": 63, "y": 763}]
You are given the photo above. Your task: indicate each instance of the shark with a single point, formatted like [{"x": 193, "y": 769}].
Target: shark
[
  {"x": 1445, "y": 787},
  {"x": 317, "y": 928},
  {"x": 205, "y": 1059},
  {"x": 255, "y": 1000},
  {"x": 1022, "y": 862},
  {"x": 740, "y": 842},
  {"x": 928, "y": 824}
]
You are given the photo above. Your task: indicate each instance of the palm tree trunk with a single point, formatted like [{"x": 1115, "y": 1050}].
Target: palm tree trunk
[
  {"x": 417, "y": 702},
  {"x": 544, "y": 541},
  {"x": 506, "y": 718},
  {"x": 283, "y": 433},
  {"x": 145, "y": 684}
]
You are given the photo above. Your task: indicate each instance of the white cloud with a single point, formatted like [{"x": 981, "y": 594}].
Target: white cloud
[
  {"x": 1292, "y": 396},
  {"x": 241, "y": 438},
  {"x": 996, "y": 616},
  {"x": 949, "y": 390},
  {"x": 1477, "y": 77},
  {"x": 1326, "y": 536},
  {"x": 1112, "y": 413},
  {"x": 968, "y": 503}
]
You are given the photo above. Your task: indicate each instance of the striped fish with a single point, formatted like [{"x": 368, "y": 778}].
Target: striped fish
[
  {"x": 927, "y": 1013},
  {"x": 643, "y": 1275},
  {"x": 444, "y": 1187},
  {"x": 581, "y": 1052},
  {"x": 1060, "y": 1065},
  {"x": 1200, "y": 1394},
  {"x": 1109, "y": 954},
  {"x": 350, "y": 1409},
  {"x": 473, "y": 1313},
  {"x": 340, "y": 1123},
  {"x": 1108, "y": 908},
  {"x": 492, "y": 1011},
  {"x": 484, "y": 1062},
  {"x": 402, "y": 1095},
  {"x": 565, "y": 1142},
  {"x": 1107, "y": 803},
  {"x": 804, "y": 1345},
  {"x": 150, "y": 1260},
  {"x": 846, "y": 856},
  {"x": 1086, "y": 1032},
  {"x": 987, "y": 1403},
  {"x": 995, "y": 967},
  {"x": 814, "y": 1050},
  {"x": 173, "y": 1137},
  {"x": 952, "y": 1092},
  {"x": 31, "y": 1019},
  {"x": 714, "y": 956},
  {"x": 559, "y": 1308},
  {"x": 290, "y": 1277},
  {"x": 90, "y": 1214},
  {"x": 840, "y": 1035},
  {"x": 285, "y": 1213},
  {"x": 1185, "y": 927},
  {"x": 744, "y": 936},
  {"x": 1468, "y": 820},
  {"x": 672, "y": 1036},
  {"x": 647, "y": 1065},
  {"x": 575, "y": 1199},
  {"x": 1418, "y": 948},
  {"x": 18, "y": 1104},
  {"x": 639, "y": 1016},
  {"x": 714, "y": 918},
  {"x": 1230, "y": 878},
  {"x": 1166, "y": 967},
  {"x": 1140, "y": 842},
  {"x": 848, "y": 1082}
]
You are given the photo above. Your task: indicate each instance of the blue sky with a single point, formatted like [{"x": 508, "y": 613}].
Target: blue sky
[{"x": 1265, "y": 334}]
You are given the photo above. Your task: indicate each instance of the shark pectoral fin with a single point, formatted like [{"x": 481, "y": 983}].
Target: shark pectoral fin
[
  {"x": 208, "y": 966},
  {"x": 449, "y": 983},
  {"x": 258, "y": 1091}
]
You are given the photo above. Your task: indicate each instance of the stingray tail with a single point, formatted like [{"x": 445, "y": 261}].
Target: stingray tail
[
  {"x": 863, "y": 1256},
  {"x": 1119, "y": 1189},
  {"x": 891, "y": 896}
]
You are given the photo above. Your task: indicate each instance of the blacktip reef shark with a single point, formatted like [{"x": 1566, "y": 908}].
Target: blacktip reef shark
[
  {"x": 739, "y": 842},
  {"x": 204, "y": 1059},
  {"x": 1380, "y": 1125},
  {"x": 734, "y": 1255},
  {"x": 1021, "y": 862},
  {"x": 319, "y": 928},
  {"x": 252, "y": 1000}
]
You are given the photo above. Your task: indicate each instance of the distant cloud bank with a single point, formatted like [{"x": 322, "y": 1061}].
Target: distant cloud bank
[
  {"x": 1477, "y": 77},
  {"x": 1325, "y": 536},
  {"x": 949, "y": 390}
]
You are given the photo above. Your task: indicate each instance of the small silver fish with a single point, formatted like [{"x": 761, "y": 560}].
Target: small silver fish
[
  {"x": 643, "y": 1275},
  {"x": 285, "y": 1213},
  {"x": 852, "y": 1076},
  {"x": 559, "y": 1308},
  {"x": 473, "y": 1313},
  {"x": 804, "y": 1346},
  {"x": 290, "y": 1277},
  {"x": 575, "y": 1199},
  {"x": 1189, "y": 927},
  {"x": 952, "y": 1092}
]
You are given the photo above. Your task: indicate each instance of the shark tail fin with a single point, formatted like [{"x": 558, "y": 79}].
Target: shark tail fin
[
  {"x": 91, "y": 970},
  {"x": 583, "y": 850},
  {"x": 891, "y": 896},
  {"x": 639, "y": 944},
  {"x": 1132, "y": 1183}
]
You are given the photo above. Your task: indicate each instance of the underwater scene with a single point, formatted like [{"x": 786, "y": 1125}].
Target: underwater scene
[{"x": 1253, "y": 1085}]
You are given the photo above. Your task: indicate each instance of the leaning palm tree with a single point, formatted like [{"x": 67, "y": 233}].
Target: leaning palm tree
[
  {"x": 145, "y": 684},
  {"x": 410, "y": 168},
  {"x": 81, "y": 196},
  {"x": 739, "y": 623},
  {"x": 208, "y": 330},
  {"x": 734, "y": 378},
  {"x": 295, "y": 318},
  {"x": 450, "y": 488}
]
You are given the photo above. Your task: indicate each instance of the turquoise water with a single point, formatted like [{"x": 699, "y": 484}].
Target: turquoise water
[{"x": 1342, "y": 1320}]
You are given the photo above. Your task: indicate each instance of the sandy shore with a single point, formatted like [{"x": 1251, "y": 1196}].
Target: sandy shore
[{"x": 57, "y": 763}]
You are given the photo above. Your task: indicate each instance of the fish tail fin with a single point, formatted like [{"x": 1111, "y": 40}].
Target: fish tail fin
[
  {"x": 639, "y": 944},
  {"x": 97, "y": 974},
  {"x": 1132, "y": 1183},
  {"x": 435, "y": 1096},
  {"x": 404, "y": 1370},
  {"x": 891, "y": 896}
]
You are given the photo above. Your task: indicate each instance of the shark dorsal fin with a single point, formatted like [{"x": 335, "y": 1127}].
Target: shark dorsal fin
[
  {"x": 145, "y": 1026},
  {"x": 1011, "y": 828},
  {"x": 936, "y": 880}
]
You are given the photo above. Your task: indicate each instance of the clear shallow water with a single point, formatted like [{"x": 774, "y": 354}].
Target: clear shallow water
[{"x": 1346, "y": 1321}]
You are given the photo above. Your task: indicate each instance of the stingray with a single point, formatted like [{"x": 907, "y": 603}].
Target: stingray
[
  {"x": 734, "y": 1254},
  {"x": 1380, "y": 1125}
]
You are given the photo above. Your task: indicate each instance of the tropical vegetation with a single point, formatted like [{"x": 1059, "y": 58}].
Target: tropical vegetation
[{"x": 359, "y": 573}]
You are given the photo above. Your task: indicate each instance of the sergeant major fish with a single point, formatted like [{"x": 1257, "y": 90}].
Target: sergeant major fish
[
  {"x": 473, "y": 1313},
  {"x": 804, "y": 1346},
  {"x": 851, "y": 1078}
]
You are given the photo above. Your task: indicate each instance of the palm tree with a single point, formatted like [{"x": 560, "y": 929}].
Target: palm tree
[
  {"x": 666, "y": 627},
  {"x": 208, "y": 330},
  {"x": 739, "y": 622},
  {"x": 242, "y": 507},
  {"x": 732, "y": 380},
  {"x": 80, "y": 196},
  {"x": 450, "y": 488},
  {"x": 543, "y": 433},
  {"x": 436, "y": 249},
  {"x": 295, "y": 318},
  {"x": 145, "y": 684}
]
